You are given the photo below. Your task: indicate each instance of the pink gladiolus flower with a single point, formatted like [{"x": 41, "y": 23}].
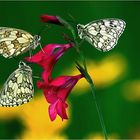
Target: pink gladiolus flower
[
  {"x": 50, "y": 19},
  {"x": 47, "y": 57},
  {"x": 56, "y": 93},
  {"x": 56, "y": 90}
]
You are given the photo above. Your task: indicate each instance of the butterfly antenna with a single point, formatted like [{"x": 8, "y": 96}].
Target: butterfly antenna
[{"x": 46, "y": 26}]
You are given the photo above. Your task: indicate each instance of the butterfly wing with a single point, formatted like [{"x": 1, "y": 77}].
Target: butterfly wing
[
  {"x": 104, "y": 34},
  {"x": 14, "y": 41},
  {"x": 18, "y": 89}
]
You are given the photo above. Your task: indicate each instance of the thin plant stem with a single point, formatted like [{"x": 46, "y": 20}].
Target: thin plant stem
[
  {"x": 98, "y": 110},
  {"x": 86, "y": 74}
]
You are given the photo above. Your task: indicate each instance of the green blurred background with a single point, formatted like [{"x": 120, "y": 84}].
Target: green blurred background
[{"x": 116, "y": 74}]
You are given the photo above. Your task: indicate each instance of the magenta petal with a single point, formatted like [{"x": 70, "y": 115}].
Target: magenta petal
[
  {"x": 62, "y": 80},
  {"x": 56, "y": 92},
  {"x": 49, "y": 56},
  {"x": 50, "y": 19},
  {"x": 41, "y": 54},
  {"x": 61, "y": 109},
  {"x": 50, "y": 96},
  {"x": 41, "y": 85},
  {"x": 35, "y": 58},
  {"x": 59, "y": 81},
  {"x": 52, "y": 111},
  {"x": 46, "y": 75}
]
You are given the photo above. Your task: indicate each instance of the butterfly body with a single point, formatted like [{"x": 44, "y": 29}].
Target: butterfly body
[
  {"x": 18, "y": 89},
  {"x": 15, "y": 41},
  {"x": 103, "y": 34}
]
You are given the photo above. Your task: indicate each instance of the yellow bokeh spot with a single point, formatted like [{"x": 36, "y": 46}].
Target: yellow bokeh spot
[
  {"x": 99, "y": 136},
  {"x": 104, "y": 73},
  {"x": 134, "y": 132},
  {"x": 39, "y": 125},
  {"x": 9, "y": 112},
  {"x": 36, "y": 119},
  {"x": 131, "y": 90}
]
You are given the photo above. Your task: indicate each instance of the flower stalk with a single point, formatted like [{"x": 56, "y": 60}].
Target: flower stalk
[{"x": 83, "y": 70}]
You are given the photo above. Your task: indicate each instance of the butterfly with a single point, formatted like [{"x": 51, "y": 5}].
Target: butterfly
[
  {"x": 16, "y": 41},
  {"x": 103, "y": 34},
  {"x": 18, "y": 89}
]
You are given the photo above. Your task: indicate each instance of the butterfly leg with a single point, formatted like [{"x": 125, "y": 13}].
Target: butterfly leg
[
  {"x": 30, "y": 53},
  {"x": 37, "y": 77},
  {"x": 41, "y": 48}
]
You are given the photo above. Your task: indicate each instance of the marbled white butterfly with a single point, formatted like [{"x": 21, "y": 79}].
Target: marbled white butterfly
[
  {"x": 15, "y": 41},
  {"x": 18, "y": 89},
  {"x": 103, "y": 34}
]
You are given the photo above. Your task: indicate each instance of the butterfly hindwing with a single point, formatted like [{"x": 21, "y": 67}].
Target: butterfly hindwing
[
  {"x": 18, "y": 89},
  {"x": 103, "y": 34}
]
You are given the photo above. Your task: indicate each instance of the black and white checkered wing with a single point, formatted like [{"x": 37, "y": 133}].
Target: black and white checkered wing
[
  {"x": 103, "y": 34},
  {"x": 16, "y": 41},
  {"x": 18, "y": 89}
]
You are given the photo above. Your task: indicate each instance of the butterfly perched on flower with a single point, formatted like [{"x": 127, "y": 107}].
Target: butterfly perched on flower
[
  {"x": 103, "y": 34},
  {"x": 18, "y": 89},
  {"x": 16, "y": 41}
]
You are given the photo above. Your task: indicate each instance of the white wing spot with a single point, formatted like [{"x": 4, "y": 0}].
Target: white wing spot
[
  {"x": 93, "y": 32},
  {"x": 100, "y": 45},
  {"x": 22, "y": 40},
  {"x": 19, "y": 79},
  {"x": 10, "y": 83},
  {"x": 12, "y": 51},
  {"x": 11, "y": 46},
  {"x": 101, "y": 40},
  {"x": 22, "y": 90}
]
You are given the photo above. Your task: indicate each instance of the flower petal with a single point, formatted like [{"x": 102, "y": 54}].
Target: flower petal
[
  {"x": 49, "y": 56},
  {"x": 50, "y": 19},
  {"x": 52, "y": 111},
  {"x": 65, "y": 80},
  {"x": 61, "y": 109},
  {"x": 50, "y": 95},
  {"x": 41, "y": 85},
  {"x": 46, "y": 75}
]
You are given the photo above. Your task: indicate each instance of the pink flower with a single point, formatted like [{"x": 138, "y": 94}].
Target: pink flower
[
  {"x": 47, "y": 57},
  {"x": 56, "y": 90},
  {"x": 56, "y": 93},
  {"x": 50, "y": 19}
]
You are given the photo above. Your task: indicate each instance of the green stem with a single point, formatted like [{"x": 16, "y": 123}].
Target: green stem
[
  {"x": 87, "y": 76},
  {"x": 68, "y": 26},
  {"x": 98, "y": 110}
]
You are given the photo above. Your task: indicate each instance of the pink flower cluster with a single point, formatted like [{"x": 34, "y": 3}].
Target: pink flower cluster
[{"x": 55, "y": 90}]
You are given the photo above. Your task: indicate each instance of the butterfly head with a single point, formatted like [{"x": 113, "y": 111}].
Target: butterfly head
[
  {"x": 36, "y": 41},
  {"x": 80, "y": 29},
  {"x": 24, "y": 67}
]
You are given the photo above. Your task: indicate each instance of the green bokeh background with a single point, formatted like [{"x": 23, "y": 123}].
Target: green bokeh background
[{"x": 121, "y": 116}]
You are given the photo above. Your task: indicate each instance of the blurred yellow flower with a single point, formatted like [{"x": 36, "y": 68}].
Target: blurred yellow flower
[
  {"x": 99, "y": 136},
  {"x": 131, "y": 90},
  {"x": 38, "y": 123},
  {"x": 8, "y": 113},
  {"x": 104, "y": 73},
  {"x": 36, "y": 119},
  {"x": 134, "y": 132}
]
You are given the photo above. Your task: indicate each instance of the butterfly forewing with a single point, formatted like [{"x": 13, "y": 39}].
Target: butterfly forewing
[
  {"x": 103, "y": 34},
  {"x": 14, "y": 41},
  {"x": 18, "y": 89}
]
